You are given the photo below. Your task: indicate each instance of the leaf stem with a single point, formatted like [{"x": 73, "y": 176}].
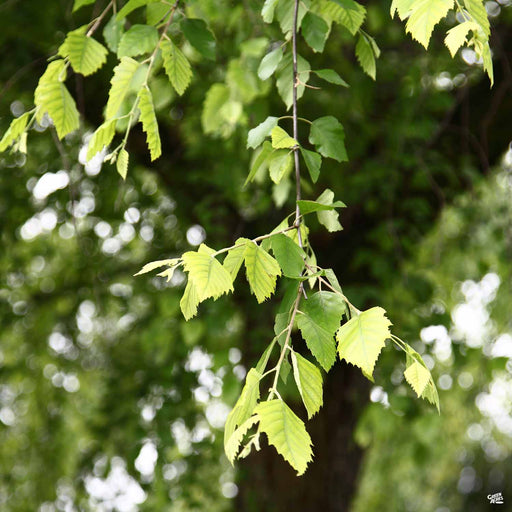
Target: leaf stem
[
  {"x": 98, "y": 20},
  {"x": 273, "y": 389},
  {"x": 257, "y": 239}
]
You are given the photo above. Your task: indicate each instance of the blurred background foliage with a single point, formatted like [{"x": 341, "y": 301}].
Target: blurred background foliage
[{"x": 110, "y": 401}]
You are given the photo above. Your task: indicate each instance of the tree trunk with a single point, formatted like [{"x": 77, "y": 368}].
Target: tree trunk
[{"x": 266, "y": 481}]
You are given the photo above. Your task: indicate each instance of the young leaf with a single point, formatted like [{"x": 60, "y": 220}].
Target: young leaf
[
  {"x": 52, "y": 97},
  {"x": 403, "y": 7},
  {"x": 319, "y": 319},
  {"x": 190, "y": 301},
  {"x": 288, "y": 254},
  {"x": 328, "y": 136},
  {"x": 122, "y": 163},
  {"x": 313, "y": 163},
  {"x": 199, "y": 36},
  {"x": 85, "y": 54},
  {"x": 309, "y": 383},
  {"x": 139, "y": 39},
  {"x": 232, "y": 444},
  {"x": 424, "y": 16},
  {"x": 101, "y": 138},
  {"x": 176, "y": 65},
  {"x": 456, "y": 36},
  {"x": 280, "y": 164},
  {"x": 235, "y": 257},
  {"x": 315, "y": 31},
  {"x": 208, "y": 276},
  {"x": 348, "y": 13},
  {"x": 281, "y": 140},
  {"x": 285, "y": 13},
  {"x": 476, "y": 9},
  {"x": 267, "y": 12},
  {"x": 113, "y": 32},
  {"x": 149, "y": 122},
  {"x": 260, "y": 160},
  {"x": 14, "y": 132},
  {"x": 262, "y": 271},
  {"x": 286, "y": 432},
  {"x": 269, "y": 63},
  {"x": 120, "y": 83},
  {"x": 329, "y": 75},
  {"x": 329, "y": 218},
  {"x": 362, "y": 338},
  {"x": 285, "y": 78},
  {"x": 153, "y": 265},
  {"x": 417, "y": 376},
  {"x": 365, "y": 56},
  {"x": 257, "y": 135}
]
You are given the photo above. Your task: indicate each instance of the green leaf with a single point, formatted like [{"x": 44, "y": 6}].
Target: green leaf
[
  {"x": 286, "y": 432},
  {"x": 307, "y": 206},
  {"x": 267, "y": 12},
  {"x": 120, "y": 85},
  {"x": 199, "y": 36},
  {"x": 329, "y": 75},
  {"x": 487, "y": 62},
  {"x": 288, "y": 254},
  {"x": 249, "y": 396},
  {"x": 333, "y": 280},
  {"x": 348, "y": 13},
  {"x": 52, "y": 97},
  {"x": 424, "y": 16},
  {"x": 81, "y": 3},
  {"x": 14, "y": 132},
  {"x": 189, "y": 301},
  {"x": 328, "y": 136},
  {"x": 139, "y": 39},
  {"x": 101, "y": 138},
  {"x": 431, "y": 394},
  {"x": 269, "y": 63},
  {"x": 280, "y": 164},
  {"x": 85, "y": 54},
  {"x": 153, "y": 265},
  {"x": 362, "y": 338},
  {"x": 365, "y": 56},
  {"x": 313, "y": 163},
  {"x": 456, "y": 36},
  {"x": 281, "y": 140},
  {"x": 285, "y": 78},
  {"x": 216, "y": 97},
  {"x": 113, "y": 32},
  {"x": 315, "y": 31},
  {"x": 131, "y": 5},
  {"x": 309, "y": 383},
  {"x": 319, "y": 318},
  {"x": 259, "y": 161},
  {"x": 329, "y": 218},
  {"x": 176, "y": 65},
  {"x": 232, "y": 444},
  {"x": 257, "y": 135},
  {"x": 262, "y": 271},
  {"x": 149, "y": 122},
  {"x": 122, "y": 163},
  {"x": 209, "y": 277},
  {"x": 235, "y": 257},
  {"x": 476, "y": 9},
  {"x": 417, "y": 376},
  {"x": 285, "y": 13},
  {"x": 155, "y": 12}
]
